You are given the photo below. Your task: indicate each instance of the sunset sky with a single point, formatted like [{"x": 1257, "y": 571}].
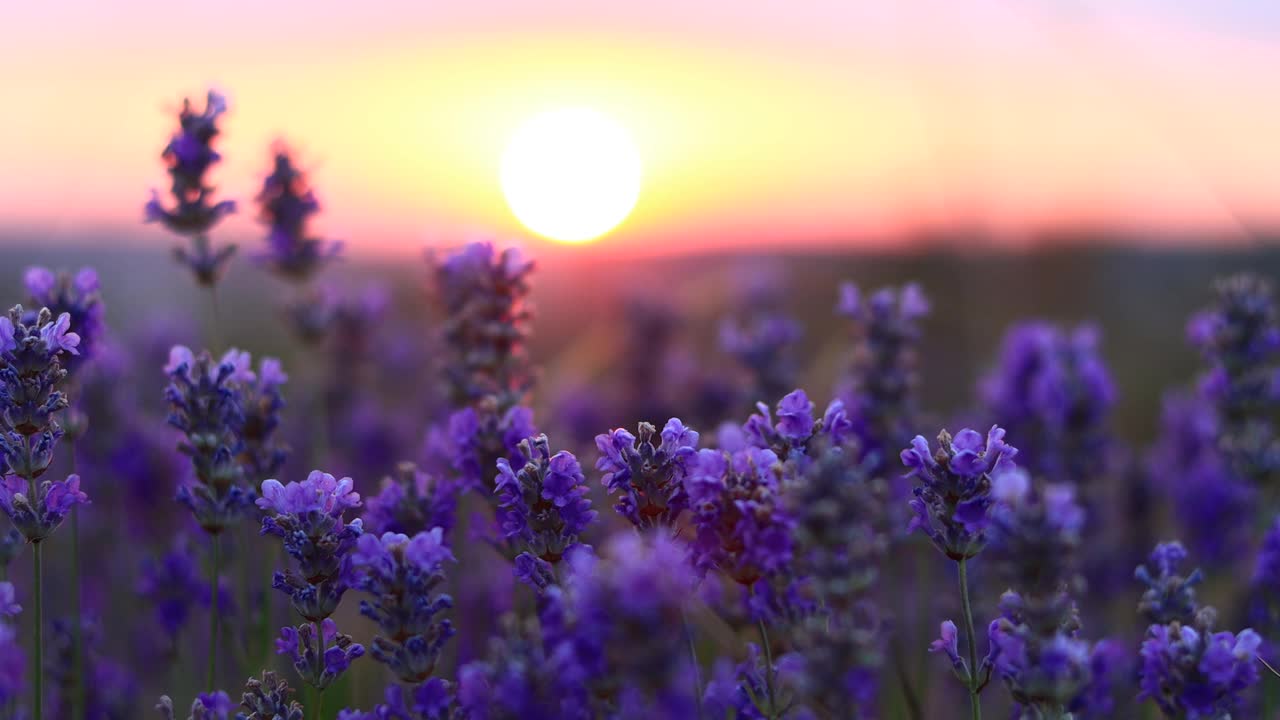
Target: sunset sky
[{"x": 758, "y": 123}]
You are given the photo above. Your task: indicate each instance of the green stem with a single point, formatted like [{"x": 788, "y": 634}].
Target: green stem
[
  {"x": 768, "y": 670},
  {"x": 975, "y": 708},
  {"x": 213, "y": 619},
  {"x": 319, "y": 704},
  {"x": 37, "y": 702},
  {"x": 693, "y": 657}
]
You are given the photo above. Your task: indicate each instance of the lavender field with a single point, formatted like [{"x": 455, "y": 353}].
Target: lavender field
[{"x": 273, "y": 481}]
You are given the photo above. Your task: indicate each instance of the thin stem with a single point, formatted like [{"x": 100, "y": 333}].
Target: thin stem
[
  {"x": 319, "y": 704},
  {"x": 213, "y": 618},
  {"x": 693, "y": 658},
  {"x": 37, "y": 702},
  {"x": 768, "y": 670},
  {"x": 975, "y": 707},
  {"x": 217, "y": 320}
]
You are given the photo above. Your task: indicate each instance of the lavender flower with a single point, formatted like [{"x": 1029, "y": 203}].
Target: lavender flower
[
  {"x": 839, "y": 547},
  {"x": 287, "y": 203},
  {"x": 743, "y": 528},
  {"x": 763, "y": 343},
  {"x": 1189, "y": 670},
  {"x": 1240, "y": 339},
  {"x": 953, "y": 502},
  {"x": 404, "y": 576},
  {"x": 1170, "y": 596},
  {"x": 207, "y": 706},
  {"x": 543, "y": 505},
  {"x": 411, "y": 501},
  {"x": 189, "y": 155},
  {"x": 741, "y": 691},
  {"x": 78, "y": 297},
  {"x": 519, "y": 680},
  {"x": 881, "y": 384},
  {"x": 1208, "y": 498},
  {"x": 617, "y": 621},
  {"x": 484, "y": 298},
  {"x": 205, "y": 404},
  {"x": 172, "y": 585},
  {"x": 269, "y": 699},
  {"x": 1192, "y": 672},
  {"x": 796, "y": 434},
  {"x": 432, "y": 700},
  {"x": 320, "y": 653},
  {"x": 648, "y": 478},
  {"x": 308, "y": 517},
  {"x": 1035, "y": 645},
  {"x": 476, "y": 438},
  {"x": 260, "y": 402},
  {"x": 1053, "y": 392},
  {"x": 30, "y": 376}
]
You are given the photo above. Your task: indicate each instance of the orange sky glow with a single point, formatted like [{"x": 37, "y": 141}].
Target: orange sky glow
[{"x": 778, "y": 124}]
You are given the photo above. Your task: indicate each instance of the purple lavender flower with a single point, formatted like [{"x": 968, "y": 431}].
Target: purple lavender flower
[
  {"x": 518, "y": 679},
  {"x": 287, "y": 203},
  {"x": 648, "y": 478},
  {"x": 172, "y": 585},
  {"x": 432, "y": 700},
  {"x": 1170, "y": 596},
  {"x": 411, "y": 501},
  {"x": 543, "y": 506},
  {"x": 207, "y": 706},
  {"x": 880, "y": 385},
  {"x": 1239, "y": 338},
  {"x": 742, "y": 691},
  {"x": 189, "y": 155},
  {"x": 484, "y": 298},
  {"x": 78, "y": 297},
  {"x": 625, "y": 607},
  {"x": 260, "y": 402},
  {"x": 797, "y": 435},
  {"x": 1208, "y": 497},
  {"x": 308, "y": 517},
  {"x": 743, "y": 528},
  {"x": 269, "y": 699},
  {"x": 1192, "y": 672},
  {"x": 1052, "y": 391},
  {"x": 320, "y": 653},
  {"x": 37, "y": 509},
  {"x": 404, "y": 577},
  {"x": 476, "y": 438},
  {"x": 840, "y": 543},
  {"x": 952, "y": 505},
  {"x": 1264, "y": 591},
  {"x": 763, "y": 342},
  {"x": 205, "y": 404}
]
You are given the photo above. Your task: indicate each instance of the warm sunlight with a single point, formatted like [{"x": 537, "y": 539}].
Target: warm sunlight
[{"x": 571, "y": 175}]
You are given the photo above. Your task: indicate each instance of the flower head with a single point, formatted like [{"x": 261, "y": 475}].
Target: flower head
[
  {"x": 648, "y": 477},
  {"x": 543, "y": 505},
  {"x": 269, "y": 699},
  {"x": 308, "y": 517},
  {"x": 411, "y": 501},
  {"x": 286, "y": 205},
  {"x": 189, "y": 155},
  {"x": 953, "y": 501},
  {"x": 403, "y": 577},
  {"x": 78, "y": 298},
  {"x": 320, "y": 653}
]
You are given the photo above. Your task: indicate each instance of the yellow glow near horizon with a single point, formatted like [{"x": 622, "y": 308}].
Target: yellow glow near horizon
[{"x": 571, "y": 175}]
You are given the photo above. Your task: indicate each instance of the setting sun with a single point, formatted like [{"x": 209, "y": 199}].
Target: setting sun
[{"x": 571, "y": 175}]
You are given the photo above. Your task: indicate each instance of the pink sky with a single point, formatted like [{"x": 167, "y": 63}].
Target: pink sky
[{"x": 758, "y": 123}]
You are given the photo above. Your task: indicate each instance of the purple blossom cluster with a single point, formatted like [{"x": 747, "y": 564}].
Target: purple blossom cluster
[{"x": 648, "y": 478}]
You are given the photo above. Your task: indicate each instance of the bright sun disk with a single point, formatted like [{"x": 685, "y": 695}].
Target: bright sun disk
[{"x": 571, "y": 175}]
